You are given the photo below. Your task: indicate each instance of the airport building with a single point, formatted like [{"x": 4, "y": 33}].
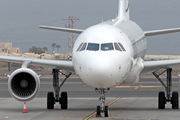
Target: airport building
[{"x": 8, "y": 49}]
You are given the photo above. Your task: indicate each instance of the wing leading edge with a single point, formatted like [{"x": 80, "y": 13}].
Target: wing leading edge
[
  {"x": 147, "y": 33},
  {"x": 150, "y": 66},
  {"x": 63, "y": 65},
  {"x": 62, "y": 29},
  {"x": 160, "y": 32}
]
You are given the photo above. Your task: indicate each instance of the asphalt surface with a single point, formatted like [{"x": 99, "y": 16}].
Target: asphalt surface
[
  {"x": 138, "y": 101},
  {"x": 146, "y": 87}
]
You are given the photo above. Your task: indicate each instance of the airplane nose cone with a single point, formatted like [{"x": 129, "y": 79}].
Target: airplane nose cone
[
  {"x": 98, "y": 68},
  {"x": 100, "y": 72}
]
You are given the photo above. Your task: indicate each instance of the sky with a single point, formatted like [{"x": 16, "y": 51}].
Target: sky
[{"x": 20, "y": 20}]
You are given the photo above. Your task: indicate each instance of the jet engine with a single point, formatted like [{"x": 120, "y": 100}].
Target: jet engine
[{"x": 24, "y": 84}]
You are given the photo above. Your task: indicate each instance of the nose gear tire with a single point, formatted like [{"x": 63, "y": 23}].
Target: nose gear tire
[
  {"x": 106, "y": 111},
  {"x": 98, "y": 114}
]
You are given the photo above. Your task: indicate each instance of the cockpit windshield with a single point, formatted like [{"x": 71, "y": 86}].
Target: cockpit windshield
[
  {"x": 107, "y": 46},
  {"x": 103, "y": 47},
  {"x": 79, "y": 46},
  {"x": 83, "y": 47},
  {"x": 122, "y": 46},
  {"x": 117, "y": 47},
  {"x": 93, "y": 47}
]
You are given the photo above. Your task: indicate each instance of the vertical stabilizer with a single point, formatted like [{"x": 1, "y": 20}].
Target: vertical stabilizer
[{"x": 123, "y": 13}]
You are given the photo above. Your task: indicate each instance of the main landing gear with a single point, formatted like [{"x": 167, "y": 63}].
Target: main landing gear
[
  {"x": 51, "y": 99},
  {"x": 162, "y": 99},
  {"x": 102, "y": 109}
]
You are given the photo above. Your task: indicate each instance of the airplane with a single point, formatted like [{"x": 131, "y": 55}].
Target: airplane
[{"x": 104, "y": 55}]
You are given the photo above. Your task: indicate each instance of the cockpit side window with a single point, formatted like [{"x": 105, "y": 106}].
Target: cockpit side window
[
  {"x": 107, "y": 47},
  {"x": 117, "y": 47},
  {"x": 93, "y": 47},
  {"x": 83, "y": 47},
  {"x": 79, "y": 46},
  {"x": 122, "y": 46}
]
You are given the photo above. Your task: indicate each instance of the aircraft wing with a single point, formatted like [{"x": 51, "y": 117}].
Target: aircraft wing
[
  {"x": 62, "y": 65},
  {"x": 160, "y": 32},
  {"x": 62, "y": 29},
  {"x": 150, "y": 66}
]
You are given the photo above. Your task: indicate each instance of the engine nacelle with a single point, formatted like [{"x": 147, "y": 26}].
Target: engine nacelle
[
  {"x": 134, "y": 75},
  {"x": 24, "y": 84}
]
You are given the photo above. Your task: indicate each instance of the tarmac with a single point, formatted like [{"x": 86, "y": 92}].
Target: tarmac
[{"x": 136, "y": 102}]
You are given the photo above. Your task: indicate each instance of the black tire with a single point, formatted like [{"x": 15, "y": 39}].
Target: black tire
[
  {"x": 175, "y": 100},
  {"x": 50, "y": 100},
  {"x": 106, "y": 111},
  {"x": 98, "y": 111},
  {"x": 64, "y": 100},
  {"x": 161, "y": 100}
]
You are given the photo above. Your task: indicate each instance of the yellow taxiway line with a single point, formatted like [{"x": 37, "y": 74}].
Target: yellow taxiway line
[
  {"x": 136, "y": 87},
  {"x": 94, "y": 113}
]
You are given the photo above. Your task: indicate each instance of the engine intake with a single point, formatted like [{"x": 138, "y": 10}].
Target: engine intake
[{"x": 24, "y": 84}]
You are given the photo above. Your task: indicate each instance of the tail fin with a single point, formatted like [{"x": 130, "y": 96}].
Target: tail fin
[{"x": 123, "y": 10}]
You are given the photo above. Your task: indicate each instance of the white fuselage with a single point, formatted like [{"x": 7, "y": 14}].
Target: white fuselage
[{"x": 99, "y": 62}]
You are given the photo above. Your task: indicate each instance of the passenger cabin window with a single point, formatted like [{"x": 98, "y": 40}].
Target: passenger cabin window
[
  {"x": 107, "y": 47},
  {"x": 79, "y": 46},
  {"x": 93, "y": 47},
  {"x": 117, "y": 47},
  {"x": 83, "y": 47},
  {"x": 122, "y": 46}
]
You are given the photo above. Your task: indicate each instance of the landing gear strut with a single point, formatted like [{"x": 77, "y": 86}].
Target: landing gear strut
[
  {"x": 51, "y": 99},
  {"x": 162, "y": 99},
  {"x": 102, "y": 99}
]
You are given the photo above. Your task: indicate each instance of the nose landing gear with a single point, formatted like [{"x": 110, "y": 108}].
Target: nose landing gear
[{"x": 103, "y": 108}]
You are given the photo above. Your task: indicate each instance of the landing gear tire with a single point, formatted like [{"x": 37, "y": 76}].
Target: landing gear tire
[
  {"x": 175, "y": 100},
  {"x": 161, "y": 100},
  {"x": 64, "y": 100},
  {"x": 106, "y": 111},
  {"x": 98, "y": 111},
  {"x": 50, "y": 100}
]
